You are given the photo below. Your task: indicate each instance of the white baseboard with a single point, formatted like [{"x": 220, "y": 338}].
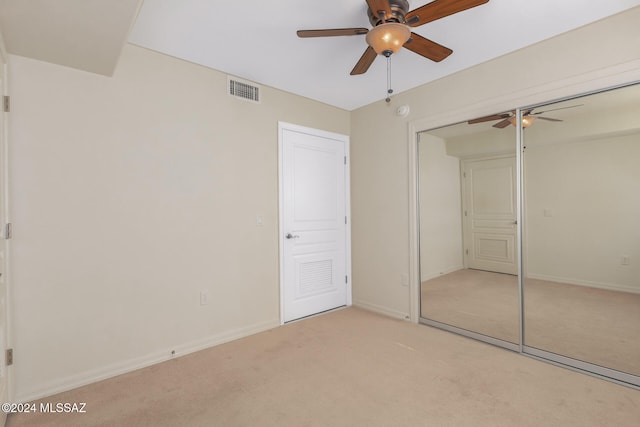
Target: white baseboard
[
  {"x": 103, "y": 373},
  {"x": 441, "y": 273},
  {"x": 587, "y": 283},
  {"x": 381, "y": 310}
]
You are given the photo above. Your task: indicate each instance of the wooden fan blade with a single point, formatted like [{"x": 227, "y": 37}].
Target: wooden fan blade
[
  {"x": 365, "y": 61},
  {"x": 332, "y": 32},
  {"x": 427, "y": 48},
  {"x": 439, "y": 9},
  {"x": 556, "y": 109},
  {"x": 377, "y": 6},
  {"x": 489, "y": 118},
  {"x": 549, "y": 119},
  {"x": 503, "y": 124}
]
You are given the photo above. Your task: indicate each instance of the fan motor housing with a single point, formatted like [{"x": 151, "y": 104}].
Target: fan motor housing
[{"x": 399, "y": 9}]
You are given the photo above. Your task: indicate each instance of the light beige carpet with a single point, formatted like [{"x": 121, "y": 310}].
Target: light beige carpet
[
  {"x": 350, "y": 368},
  {"x": 599, "y": 326},
  {"x": 594, "y": 325},
  {"x": 481, "y": 301}
]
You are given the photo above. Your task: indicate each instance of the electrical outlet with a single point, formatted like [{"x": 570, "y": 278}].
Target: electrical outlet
[
  {"x": 204, "y": 297},
  {"x": 625, "y": 260}
]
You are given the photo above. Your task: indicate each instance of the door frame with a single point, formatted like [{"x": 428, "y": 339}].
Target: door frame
[
  {"x": 282, "y": 126},
  {"x": 6, "y": 370}
]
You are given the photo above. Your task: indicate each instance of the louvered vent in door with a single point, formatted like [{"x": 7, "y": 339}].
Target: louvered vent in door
[{"x": 315, "y": 277}]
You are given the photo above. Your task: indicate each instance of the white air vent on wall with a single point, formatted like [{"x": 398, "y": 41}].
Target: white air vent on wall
[{"x": 243, "y": 89}]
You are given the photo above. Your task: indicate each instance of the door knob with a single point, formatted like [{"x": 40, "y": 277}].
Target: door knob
[{"x": 291, "y": 236}]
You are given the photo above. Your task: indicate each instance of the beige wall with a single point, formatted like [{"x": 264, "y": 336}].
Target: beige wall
[
  {"x": 384, "y": 230},
  {"x": 483, "y": 144},
  {"x": 582, "y": 206},
  {"x": 440, "y": 209},
  {"x": 130, "y": 195}
]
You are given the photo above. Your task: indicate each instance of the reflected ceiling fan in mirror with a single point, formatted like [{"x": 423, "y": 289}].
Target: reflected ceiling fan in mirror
[
  {"x": 528, "y": 117},
  {"x": 392, "y": 22}
]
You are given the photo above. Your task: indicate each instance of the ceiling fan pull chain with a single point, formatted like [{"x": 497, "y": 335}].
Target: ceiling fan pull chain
[{"x": 389, "y": 90}]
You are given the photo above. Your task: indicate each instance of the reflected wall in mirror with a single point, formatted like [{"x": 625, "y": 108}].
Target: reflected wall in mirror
[
  {"x": 581, "y": 242},
  {"x": 467, "y": 212}
]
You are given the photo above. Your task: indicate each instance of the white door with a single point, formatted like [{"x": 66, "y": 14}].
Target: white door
[
  {"x": 314, "y": 236},
  {"x": 490, "y": 214},
  {"x": 4, "y": 245}
]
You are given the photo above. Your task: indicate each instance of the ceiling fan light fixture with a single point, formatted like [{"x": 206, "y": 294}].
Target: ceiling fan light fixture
[
  {"x": 388, "y": 38},
  {"x": 526, "y": 121}
]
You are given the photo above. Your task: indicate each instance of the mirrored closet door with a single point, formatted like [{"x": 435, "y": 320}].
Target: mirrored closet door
[
  {"x": 576, "y": 186},
  {"x": 467, "y": 211},
  {"x": 581, "y": 234}
]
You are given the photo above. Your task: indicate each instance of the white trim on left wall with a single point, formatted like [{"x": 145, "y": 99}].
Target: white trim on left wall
[
  {"x": 113, "y": 370},
  {"x": 5, "y": 215}
]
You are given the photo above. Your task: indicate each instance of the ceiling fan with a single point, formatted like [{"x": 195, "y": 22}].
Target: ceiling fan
[
  {"x": 391, "y": 20},
  {"x": 528, "y": 117}
]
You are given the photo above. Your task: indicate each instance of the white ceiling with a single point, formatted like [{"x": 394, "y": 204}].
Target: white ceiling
[{"x": 256, "y": 39}]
